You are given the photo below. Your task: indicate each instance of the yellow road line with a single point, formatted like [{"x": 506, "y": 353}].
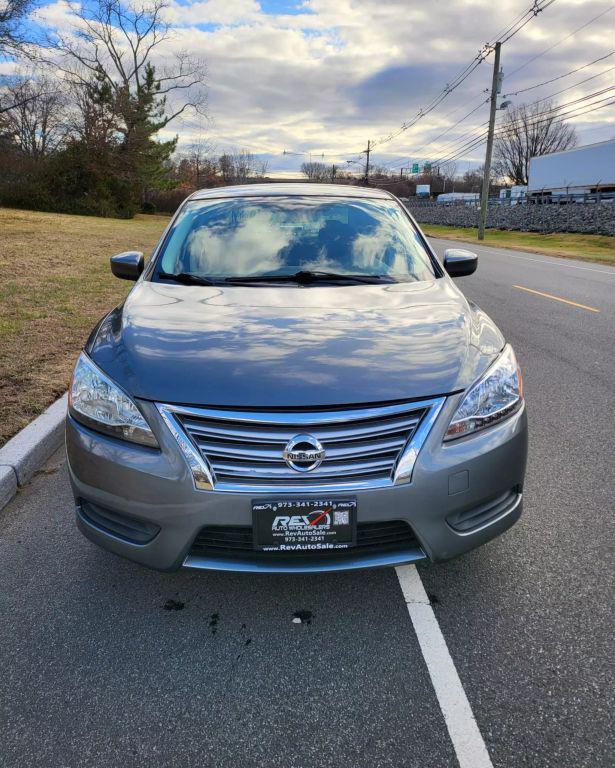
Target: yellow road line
[{"x": 556, "y": 298}]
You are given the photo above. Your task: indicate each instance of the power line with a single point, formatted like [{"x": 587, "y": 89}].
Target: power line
[
  {"x": 561, "y": 77},
  {"x": 487, "y": 49},
  {"x": 470, "y": 143},
  {"x": 559, "y": 42},
  {"x": 571, "y": 87},
  {"x": 479, "y": 141},
  {"x": 556, "y": 119},
  {"x": 534, "y": 11},
  {"x": 546, "y": 82},
  {"x": 557, "y": 108},
  {"x": 504, "y": 30},
  {"x": 537, "y": 7},
  {"x": 459, "y": 143},
  {"x": 575, "y": 108},
  {"x": 396, "y": 163}
]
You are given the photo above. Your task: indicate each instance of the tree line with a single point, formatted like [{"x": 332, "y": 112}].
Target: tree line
[{"x": 443, "y": 178}]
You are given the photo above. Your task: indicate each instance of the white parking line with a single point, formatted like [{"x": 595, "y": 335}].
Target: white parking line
[{"x": 462, "y": 727}]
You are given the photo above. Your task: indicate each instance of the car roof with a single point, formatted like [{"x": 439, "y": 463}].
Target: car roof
[{"x": 291, "y": 189}]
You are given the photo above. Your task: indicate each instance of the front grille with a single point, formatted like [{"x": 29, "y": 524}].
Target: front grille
[
  {"x": 246, "y": 448},
  {"x": 237, "y": 541}
]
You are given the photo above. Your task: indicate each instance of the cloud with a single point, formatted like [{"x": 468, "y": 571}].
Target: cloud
[
  {"x": 55, "y": 16},
  {"x": 214, "y": 12},
  {"x": 327, "y": 75}
]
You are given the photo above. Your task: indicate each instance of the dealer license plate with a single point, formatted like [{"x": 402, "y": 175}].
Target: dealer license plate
[{"x": 304, "y": 525}]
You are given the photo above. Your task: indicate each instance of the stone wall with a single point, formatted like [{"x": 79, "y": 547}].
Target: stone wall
[{"x": 587, "y": 218}]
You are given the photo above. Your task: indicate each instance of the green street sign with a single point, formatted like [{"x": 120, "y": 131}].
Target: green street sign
[
  {"x": 427, "y": 167},
  {"x": 415, "y": 167}
]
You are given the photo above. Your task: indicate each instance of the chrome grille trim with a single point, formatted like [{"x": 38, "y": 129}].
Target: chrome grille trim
[
  {"x": 274, "y": 436},
  {"x": 233, "y": 450},
  {"x": 303, "y": 418},
  {"x": 241, "y": 451}
]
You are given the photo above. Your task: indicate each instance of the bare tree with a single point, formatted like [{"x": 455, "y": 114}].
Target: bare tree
[
  {"x": 113, "y": 43},
  {"x": 472, "y": 180},
  {"x": 239, "y": 166},
  {"x": 198, "y": 156},
  {"x": 227, "y": 168},
  {"x": 243, "y": 162},
  {"x": 36, "y": 123},
  {"x": 316, "y": 171},
  {"x": 196, "y": 165},
  {"x": 12, "y": 13},
  {"x": 448, "y": 170},
  {"x": 445, "y": 173},
  {"x": 262, "y": 168},
  {"x": 529, "y": 130}
]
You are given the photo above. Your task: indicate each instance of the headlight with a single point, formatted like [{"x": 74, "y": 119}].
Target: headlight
[
  {"x": 495, "y": 396},
  {"x": 94, "y": 400}
]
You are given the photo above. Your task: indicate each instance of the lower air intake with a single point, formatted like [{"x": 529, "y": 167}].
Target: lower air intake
[
  {"x": 126, "y": 528},
  {"x": 477, "y": 517},
  {"x": 237, "y": 541}
]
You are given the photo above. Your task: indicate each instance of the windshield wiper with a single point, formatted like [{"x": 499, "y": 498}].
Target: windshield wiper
[
  {"x": 304, "y": 277},
  {"x": 187, "y": 278}
]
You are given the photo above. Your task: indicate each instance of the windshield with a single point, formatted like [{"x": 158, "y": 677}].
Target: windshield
[{"x": 227, "y": 239}]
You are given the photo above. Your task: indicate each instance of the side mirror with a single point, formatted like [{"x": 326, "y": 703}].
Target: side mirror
[
  {"x": 459, "y": 262},
  {"x": 127, "y": 265}
]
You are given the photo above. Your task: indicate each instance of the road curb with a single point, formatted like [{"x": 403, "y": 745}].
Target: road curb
[{"x": 25, "y": 453}]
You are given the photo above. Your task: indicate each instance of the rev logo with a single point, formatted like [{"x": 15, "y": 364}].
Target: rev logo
[{"x": 320, "y": 518}]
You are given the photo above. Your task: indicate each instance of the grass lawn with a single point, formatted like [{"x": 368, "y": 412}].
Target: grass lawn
[
  {"x": 598, "y": 248},
  {"x": 56, "y": 283}
]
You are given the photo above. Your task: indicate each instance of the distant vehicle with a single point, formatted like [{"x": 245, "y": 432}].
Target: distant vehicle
[
  {"x": 295, "y": 383},
  {"x": 516, "y": 194},
  {"x": 577, "y": 172},
  {"x": 456, "y": 198},
  {"x": 423, "y": 190}
]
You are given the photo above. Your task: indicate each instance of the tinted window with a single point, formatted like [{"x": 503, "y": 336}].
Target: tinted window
[{"x": 277, "y": 236}]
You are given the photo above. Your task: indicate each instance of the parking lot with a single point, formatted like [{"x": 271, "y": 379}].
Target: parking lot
[{"x": 106, "y": 663}]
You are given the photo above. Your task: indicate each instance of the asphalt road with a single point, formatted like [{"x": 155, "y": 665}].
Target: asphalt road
[{"x": 107, "y": 664}]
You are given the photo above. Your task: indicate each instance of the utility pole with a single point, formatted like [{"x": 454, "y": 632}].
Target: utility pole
[
  {"x": 367, "y": 151},
  {"x": 495, "y": 89}
]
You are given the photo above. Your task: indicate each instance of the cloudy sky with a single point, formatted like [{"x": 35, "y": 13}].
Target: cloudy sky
[{"x": 324, "y": 76}]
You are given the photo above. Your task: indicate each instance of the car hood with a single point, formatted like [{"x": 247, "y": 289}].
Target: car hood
[{"x": 280, "y": 346}]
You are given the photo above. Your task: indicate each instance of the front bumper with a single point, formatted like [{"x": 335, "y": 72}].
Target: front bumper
[{"x": 462, "y": 494}]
